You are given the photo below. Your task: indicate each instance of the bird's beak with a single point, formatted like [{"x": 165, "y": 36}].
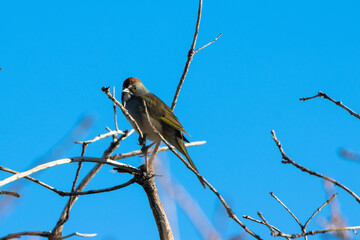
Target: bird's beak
[
  {"x": 125, "y": 96},
  {"x": 126, "y": 90}
]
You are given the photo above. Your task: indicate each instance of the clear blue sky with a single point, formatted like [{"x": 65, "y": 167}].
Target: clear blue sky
[{"x": 55, "y": 57}]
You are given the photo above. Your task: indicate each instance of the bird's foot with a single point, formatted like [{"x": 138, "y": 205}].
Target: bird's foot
[
  {"x": 145, "y": 149},
  {"x": 142, "y": 141}
]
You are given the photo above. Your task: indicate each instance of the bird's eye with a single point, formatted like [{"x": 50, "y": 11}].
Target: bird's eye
[{"x": 134, "y": 88}]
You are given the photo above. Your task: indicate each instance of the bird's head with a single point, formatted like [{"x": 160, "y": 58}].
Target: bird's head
[{"x": 132, "y": 87}]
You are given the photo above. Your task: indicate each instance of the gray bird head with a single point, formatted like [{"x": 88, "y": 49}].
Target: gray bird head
[{"x": 132, "y": 87}]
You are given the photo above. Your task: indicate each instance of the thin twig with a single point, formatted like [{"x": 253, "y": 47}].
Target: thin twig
[
  {"x": 287, "y": 209},
  {"x": 81, "y": 235},
  {"x": 267, "y": 224},
  {"x": 288, "y": 160},
  {"x": 263, "y": 223},
  {"x": 189, "y": 57},
  {"x": 162, "y": 149},
  {"x": 125, "y": 167},
  {"x": 110, "y": 189},
  {"x": 199, "y": 49},
  {"x": 84, "y": 145},
  {"x": 323, "y": 231},
  {"x": 10, "y": 193},
  {"x": 152, "y": 157},
  {"x": 319, "y": 209},
  {"x": 44, "y": 234},
  {"x": 339, "y": 103},
  {"x": 33, "y": 180},
  {"x": 115, "y": 115},
  {"x": 29, "y": 233},
  {"x": 101, "y": 136},
  {"x": 278, "y": 233}
]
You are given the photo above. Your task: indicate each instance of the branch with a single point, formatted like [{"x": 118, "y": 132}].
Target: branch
[
  {"x": 287, "y": 209},
  {"x": 197, "y": 50},
  {"x": 339, "y": 103},
  {"x": 101, "y": 136},
  {"x": 162, "y": 149},
  {"x": 288, "y": 160},
  {"x": 185, "y": 201},
  {"x": 81, "y": 235},
  {"x": 57, "y": 231},
  {"x": 148, "y": 184},
  {"x": 124, "y": 167},
  {"x": 10, "y": 193},
  {"x": 319, "y": 209},
  {"x": 131, "y": 181},
  {"x": 44, "y": 234},
  {"x": 323, "y": 231},
  {"x": 30, "y": 233},
  {"x": 268, "y": 225},
  {"x": 33, "y": 180},
  {"x": 190, "y": 56}
]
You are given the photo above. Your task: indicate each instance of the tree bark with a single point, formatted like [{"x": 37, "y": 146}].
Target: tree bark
[{"x": 152, "y": 193}]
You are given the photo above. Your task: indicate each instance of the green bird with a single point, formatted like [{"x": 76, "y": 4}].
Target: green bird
[{"x": 133, "y": 96}]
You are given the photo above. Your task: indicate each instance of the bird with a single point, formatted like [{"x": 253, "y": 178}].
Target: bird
[{"x": 135, "y": 98}]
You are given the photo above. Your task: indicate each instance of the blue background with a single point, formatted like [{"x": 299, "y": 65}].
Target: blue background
[{"x": 55, "y": 57}]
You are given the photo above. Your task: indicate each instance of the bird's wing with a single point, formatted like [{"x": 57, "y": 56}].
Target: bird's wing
[{"x": 160, "y": 110}]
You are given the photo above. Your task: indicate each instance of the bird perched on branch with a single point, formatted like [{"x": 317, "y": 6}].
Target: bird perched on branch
[{"x": 135, "y": 97}]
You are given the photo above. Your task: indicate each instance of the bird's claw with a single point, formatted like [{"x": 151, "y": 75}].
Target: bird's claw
[{"x": 142, "y": 142}]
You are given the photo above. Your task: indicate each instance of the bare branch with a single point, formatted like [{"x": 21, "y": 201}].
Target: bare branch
[
  {"x": 339, "y": 103},
  {"x": 288, "y": 160},
  {"x": 30, "y": 233},
  {"x": 278, "y": 233},
  {"x": 84, "y": 145},
  {"x": 162, "y": 149},
  {"x": 319, "y": 209},
  {"x": 57, "y": 231},
  {"x": 263, "y": 223},
  {"x": 115, "y": 115},
  {"x": 323, "y": 231},
  {"x": 147, "y": 181},
  {"x": 131, "y": 181},
  {"x": 267, "y": 224},
  {"x": 44, "y": 234},
  {"x": 81, "y": 235},
  {"x": 10, "y": 193},
  {"x": 287, "y": 209},
  {"x": 189, "y": 57},
  {"x": 101, "y": 136},
  {"x": 125, "y": 167},
  {"x": 33, "y": 180},
  {"x": 152, "y": 157},
  {"x": 197, "y": 50}
]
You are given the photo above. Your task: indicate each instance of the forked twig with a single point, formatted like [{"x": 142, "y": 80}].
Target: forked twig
[{"x": 190, "y": 56}]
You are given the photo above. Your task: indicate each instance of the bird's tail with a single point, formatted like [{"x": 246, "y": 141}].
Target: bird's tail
[{"x": 183, "y": 150}]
